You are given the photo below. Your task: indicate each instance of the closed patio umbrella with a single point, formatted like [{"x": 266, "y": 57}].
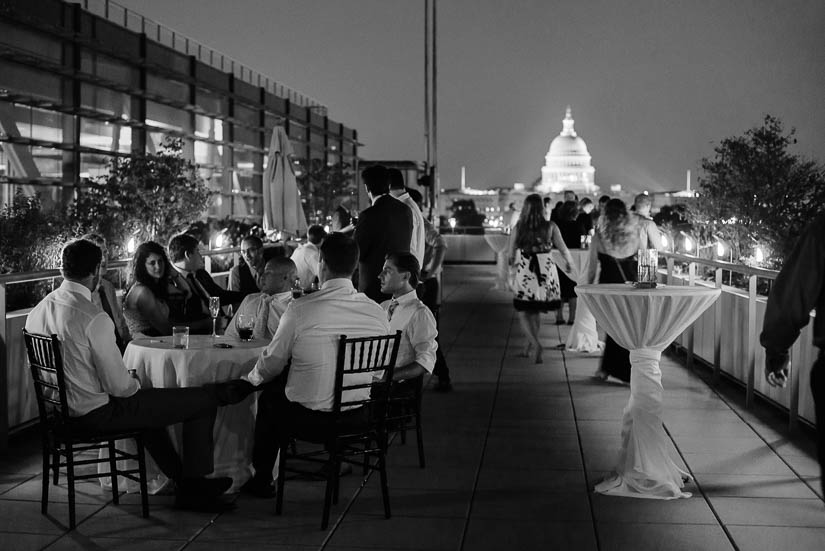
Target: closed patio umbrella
[{"x": 282, "y": 202}]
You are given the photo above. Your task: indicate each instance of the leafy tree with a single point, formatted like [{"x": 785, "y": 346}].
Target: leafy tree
[
  {"x": 152, "y": 196},
  {"x": 754, "y": 190},
  {"x": 322, "y": 185}
]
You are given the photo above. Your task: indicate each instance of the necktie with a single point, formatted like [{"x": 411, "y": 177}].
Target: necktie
[
  {"x": 198, "y": 292},
  {"x": 393, "y": 306}
]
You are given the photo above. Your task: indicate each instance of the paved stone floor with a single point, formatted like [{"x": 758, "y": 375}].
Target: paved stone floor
[{"x": 512, "y": 456}]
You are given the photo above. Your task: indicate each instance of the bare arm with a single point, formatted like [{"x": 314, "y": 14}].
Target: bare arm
[
  {"x": 594, "y": 259},
  {"x": 558, "y": 241},
  {"x": 511, "y": 246},
  {"x": 151, "y": 308}
]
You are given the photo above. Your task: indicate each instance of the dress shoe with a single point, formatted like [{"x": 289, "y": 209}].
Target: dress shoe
[
  {"x": 203, "y": 488},
  {"x": 259, "y": 487}
]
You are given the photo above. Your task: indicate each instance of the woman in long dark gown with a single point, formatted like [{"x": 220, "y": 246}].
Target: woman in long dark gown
[
  {"x": 571, "y": 233},
  {"x": 615, "y": 245}
]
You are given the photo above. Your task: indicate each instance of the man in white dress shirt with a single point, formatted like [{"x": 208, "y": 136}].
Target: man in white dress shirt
[
  {"x": 102, "y": 396},
  {"x": 270, "y": 304},
  {"x": 307, "y": 255},
  {"x": 399, "y": 191},
  {"x": 406, "y": 313},
  {"x": 307, "y": 340}
]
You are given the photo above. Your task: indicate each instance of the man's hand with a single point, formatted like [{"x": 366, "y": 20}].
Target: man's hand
[{"x": 776, "y": 368}]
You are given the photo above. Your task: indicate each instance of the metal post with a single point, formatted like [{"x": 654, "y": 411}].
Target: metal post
[
  {"x": 717, "y": 337},
  {"x": 690, "y": 330},
  {"x": 793, "y": 405},
  {"x": 750, "y": 365},
  {"x": 4, "y": 367},
  {"x": 670, "y": 271},
  {"x": 434, "y": 183},
  {"x": 427, "y": 85}
]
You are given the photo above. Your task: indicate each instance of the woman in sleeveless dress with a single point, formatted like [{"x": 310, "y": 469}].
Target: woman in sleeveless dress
[
  {"x": 146, "y": 303},
  {"x": 571, "y": 233},
  {"x": 615, "y": 246},
  {"x": 536, "y": 285}
]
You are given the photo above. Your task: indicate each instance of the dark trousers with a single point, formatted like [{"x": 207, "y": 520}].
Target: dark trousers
[
  {"x": 279, "y": 420},
  {"x": 152, "y": 411},
  {"x": 428, "y": 294},
  {"x": 818, "y": 390}
]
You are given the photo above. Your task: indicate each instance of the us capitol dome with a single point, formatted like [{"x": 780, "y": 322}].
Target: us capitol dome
[{"x": 567, "y": 163}]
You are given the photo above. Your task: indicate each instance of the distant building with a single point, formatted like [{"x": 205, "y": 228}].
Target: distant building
[{"x": 567, "y": 163}]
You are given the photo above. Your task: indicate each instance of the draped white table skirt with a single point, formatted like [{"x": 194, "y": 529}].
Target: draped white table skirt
[
  {"x": 499, "y": 242},
  {"x": 645, "y": 321},
  {"x": 583, "y": 336}
]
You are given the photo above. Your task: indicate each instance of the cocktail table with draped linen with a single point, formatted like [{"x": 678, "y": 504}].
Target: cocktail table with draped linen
[
  {"x": 159, "y": 365},
  {"x": 499, "y": 243},
  {"x": 583, "y": 335},
  {"x": 645, "y": 321}
]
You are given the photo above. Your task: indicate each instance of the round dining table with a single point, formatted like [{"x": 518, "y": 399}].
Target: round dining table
[
  {"x": 583, "y": 335},
  {"x": 499, "y": 242},
  {"x": 158, "y": 364},
  {"x": 645, "y": 321}
]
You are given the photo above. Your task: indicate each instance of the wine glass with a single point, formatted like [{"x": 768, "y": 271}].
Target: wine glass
[{"x": 214, "y": 311}]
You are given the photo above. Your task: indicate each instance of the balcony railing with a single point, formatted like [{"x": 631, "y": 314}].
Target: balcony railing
[{"x": 135, "y": 22}]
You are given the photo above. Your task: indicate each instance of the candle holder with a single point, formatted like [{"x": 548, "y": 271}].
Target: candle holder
[{"x": 646, "y": 271}]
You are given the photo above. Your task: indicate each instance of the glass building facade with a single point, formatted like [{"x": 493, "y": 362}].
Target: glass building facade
[{"x": 83, "y": 83}]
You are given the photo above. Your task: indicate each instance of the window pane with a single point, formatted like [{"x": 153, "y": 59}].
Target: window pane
[
  {"x": 17, "y": 79},
  {"x": 164, "y": 116},
  {"x": 211, "y": 102},
  {"x": 105, "y": 101},
  {"x": 93, "y": 165},
  {"x": 37, "y": 124},
  {"x": 107, "y": 68},
  {"x": 103, "y": 135},
  {"x": 167, "y": 88}
]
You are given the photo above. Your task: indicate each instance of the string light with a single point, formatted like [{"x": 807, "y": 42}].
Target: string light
[{"x": 131, "y": 245}]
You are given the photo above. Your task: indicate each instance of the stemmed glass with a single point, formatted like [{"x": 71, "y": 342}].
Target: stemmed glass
[{"x": 214, "y": 311}]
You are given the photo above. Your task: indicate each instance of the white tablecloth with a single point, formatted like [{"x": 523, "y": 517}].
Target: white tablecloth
[
  {"x": 498, "y": 242},
  {"x": 583, "y": 336},
  {"x": 645, "y": 321},
  {"x": 159, "y": 365}
]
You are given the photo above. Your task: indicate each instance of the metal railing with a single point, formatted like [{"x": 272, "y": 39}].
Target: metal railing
[
  {"x": 724, "y": 322},
  {"x": 135, "y": 22}
]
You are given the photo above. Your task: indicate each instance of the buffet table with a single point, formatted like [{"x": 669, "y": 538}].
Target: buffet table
[{"x": 645, "y": 321}]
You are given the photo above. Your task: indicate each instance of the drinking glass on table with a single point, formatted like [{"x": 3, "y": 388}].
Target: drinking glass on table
[
  {"x": 245, "y": 323},
  {"x": 214, "y": 311},
  {"x": 180, "y": 336}
]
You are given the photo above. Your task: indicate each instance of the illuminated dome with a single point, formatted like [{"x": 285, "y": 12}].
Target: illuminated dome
[{"x": 567, "y": 163}]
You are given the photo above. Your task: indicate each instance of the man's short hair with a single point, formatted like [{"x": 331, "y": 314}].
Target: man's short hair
[
  {"x": 396, "y": 178},
  {"x": 254, "y": 239},
  {"x": 340, "y": 253},
  {"x": 180, "y": 245},
  {"x": 604, "y": 199},
  {"x": 376, "y": 179},
  {"x": 585, "y": 201},
  {"x": 406, "y": 262},
  {"x": 642, "y": 200},
  {"x": 316, "y": 234},
  {"x": 80, "y": 259},
  {"x": 416, "y": 196},
  {"x": 282, "y": 264}
]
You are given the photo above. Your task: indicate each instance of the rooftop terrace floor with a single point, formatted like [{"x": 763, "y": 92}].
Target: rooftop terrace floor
[{"x": 512, "y": 456}]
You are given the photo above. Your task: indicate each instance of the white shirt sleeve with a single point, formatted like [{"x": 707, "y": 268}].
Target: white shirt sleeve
[
  {"x": 422, "y": 332},
  {"x": 277, "y": 354},
  {"x": 106, "y": 358}
]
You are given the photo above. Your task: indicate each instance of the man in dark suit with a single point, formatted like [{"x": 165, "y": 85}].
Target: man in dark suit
[{"x": 382, "y": 228}]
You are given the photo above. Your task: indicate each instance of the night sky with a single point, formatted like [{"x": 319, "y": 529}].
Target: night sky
[{"x": 653, "y": 84}]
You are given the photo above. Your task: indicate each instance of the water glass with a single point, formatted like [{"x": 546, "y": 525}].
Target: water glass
[{"x": 180, "y": 336}]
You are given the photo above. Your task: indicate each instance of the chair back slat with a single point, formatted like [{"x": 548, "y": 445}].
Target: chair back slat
[
  {"x": 46, "y": 366},
  {"x": 375, "y": 366}
]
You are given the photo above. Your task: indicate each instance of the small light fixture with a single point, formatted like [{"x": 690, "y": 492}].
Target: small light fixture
[
  {"x": 720, "y": 249},
  {"x": 759, "y": 254},
  {"x": 220, "y": 240},
  {"x": 452, "y": 223},
  {"x": 131, "y": 245},
  {"x": 664, "y": 241}
]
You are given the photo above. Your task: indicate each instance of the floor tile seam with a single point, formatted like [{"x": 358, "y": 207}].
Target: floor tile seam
[
  {"x": 707, "y": 499},
  {"x": 593, "y": 520},
  {"x": 331, "y": 532},
  {"x": 480, "y": 464},
  {"x": 750, "y": 426}
]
